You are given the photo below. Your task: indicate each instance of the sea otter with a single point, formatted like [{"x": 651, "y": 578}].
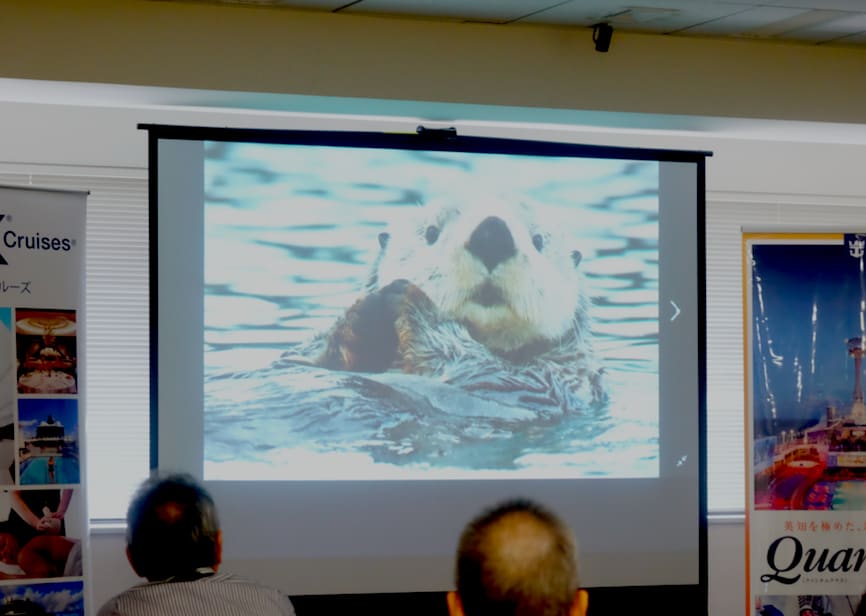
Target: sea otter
[{"x": 479, "y": 293}]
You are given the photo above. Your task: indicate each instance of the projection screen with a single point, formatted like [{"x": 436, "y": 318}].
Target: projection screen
[{"x": 361, "y": 340}]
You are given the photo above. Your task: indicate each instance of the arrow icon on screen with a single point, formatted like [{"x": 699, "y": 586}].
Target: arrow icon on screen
[{"x": 676, "y": 310}]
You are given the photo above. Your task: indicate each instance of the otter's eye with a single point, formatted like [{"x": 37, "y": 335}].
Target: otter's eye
[
  {"x": 431, "y": 234},
  {"x": 538, "y": 241}
]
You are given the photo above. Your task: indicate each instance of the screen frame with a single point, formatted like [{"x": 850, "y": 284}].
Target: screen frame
[{"x": 445, "y": 140}]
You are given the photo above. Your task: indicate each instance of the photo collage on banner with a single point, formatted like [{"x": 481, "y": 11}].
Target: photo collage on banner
[
  {"x": 42, "y": 502},
  {"x": 805, "y": 335}
]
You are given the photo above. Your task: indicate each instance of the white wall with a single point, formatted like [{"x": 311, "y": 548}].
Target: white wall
[{"x": 40, "y": 136}]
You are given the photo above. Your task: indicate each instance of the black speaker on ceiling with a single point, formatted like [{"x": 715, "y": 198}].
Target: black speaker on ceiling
[{"x": 601, "y": 35}]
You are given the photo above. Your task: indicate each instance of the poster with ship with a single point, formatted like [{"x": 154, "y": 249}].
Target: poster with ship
[{"x": 805, "y": 338}]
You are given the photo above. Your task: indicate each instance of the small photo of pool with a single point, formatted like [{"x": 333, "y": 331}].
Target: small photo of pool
[
  {"x": 48, "y": 470},
  {"x": 48, "y": 442}
]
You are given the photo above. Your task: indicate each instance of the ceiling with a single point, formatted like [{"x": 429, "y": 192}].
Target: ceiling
[{"x": 819, "y": 22}]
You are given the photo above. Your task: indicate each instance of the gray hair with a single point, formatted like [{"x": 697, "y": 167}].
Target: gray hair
[
  {"x": 172, "y": 528},
  {"x": 516, "y": 559}
]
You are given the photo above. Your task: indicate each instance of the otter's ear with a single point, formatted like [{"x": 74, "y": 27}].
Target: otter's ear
[
  {"x": 576, "y": 257},
  {"x": 383, "y": 239}
]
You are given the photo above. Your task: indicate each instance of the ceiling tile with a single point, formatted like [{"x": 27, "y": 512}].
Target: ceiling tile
[
  {"x": 649, "y": 16},
  {"x": 854, "y": 6},
  {"x": 499, "y": 11},
  {"x": 321, "y": 5},
  {"x": 814, "y": 21},
  {"x": 797, "y": 23},
  {"x": 744, "y": 22},
  {"x": 582, "y": 13},
  {"x": 845, "y": 28},
  {"x": 854, "y": 39}
]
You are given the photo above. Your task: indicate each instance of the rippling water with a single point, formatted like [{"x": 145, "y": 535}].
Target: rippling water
[
  {"x": 35, "y": 471},
  {"x": 291, "y": 233}
]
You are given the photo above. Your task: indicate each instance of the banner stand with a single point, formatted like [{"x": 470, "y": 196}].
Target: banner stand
[
  {"x": 43, "y": 517},
  {"x": 805, "y": 338}
]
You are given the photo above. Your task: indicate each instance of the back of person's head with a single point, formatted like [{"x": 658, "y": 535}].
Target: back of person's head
[
  {"x": 517, "y": 559},
  {"x": 172, "y": 529}
]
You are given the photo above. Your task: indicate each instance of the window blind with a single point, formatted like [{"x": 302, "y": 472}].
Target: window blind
[{"x": 116, "y": 405}]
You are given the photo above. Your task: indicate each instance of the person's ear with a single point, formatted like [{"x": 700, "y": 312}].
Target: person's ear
[
  {"x": 580, "y": 603},
  {"x": 455, "y": 608},
  {"x": 218, "y": 550}
]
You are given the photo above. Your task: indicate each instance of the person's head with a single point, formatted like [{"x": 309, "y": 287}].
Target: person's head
[
  {"x": 172, "y": 528},
  {"x": 517, "y": 559}
]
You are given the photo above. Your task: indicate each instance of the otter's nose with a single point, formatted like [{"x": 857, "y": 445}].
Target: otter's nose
[{"x": 491, "y": 242}]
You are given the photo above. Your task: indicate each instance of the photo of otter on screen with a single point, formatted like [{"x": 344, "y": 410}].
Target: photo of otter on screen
[
  {"x": 456, "y": 315},
  {"x": 479, "y": 294}
]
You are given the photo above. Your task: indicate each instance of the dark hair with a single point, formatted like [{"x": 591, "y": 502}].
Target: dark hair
[
  {"x": 516, "y": 559},
  {"x": 172, "y": 528}
]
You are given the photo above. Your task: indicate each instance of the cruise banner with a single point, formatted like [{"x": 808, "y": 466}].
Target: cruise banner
[
  {"x": 805, "y": 338},
  {"x": 42, "y": 500}
]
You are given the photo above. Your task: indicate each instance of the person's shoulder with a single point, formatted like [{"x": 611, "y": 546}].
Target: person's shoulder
[
  {"x": 234, "y": 594},
  {"x": 112, "y": 607},
  {"x": 267, "y": 594},
  {"x": 235, "y": 580}
]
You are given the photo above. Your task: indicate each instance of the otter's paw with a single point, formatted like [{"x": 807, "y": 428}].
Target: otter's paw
[
  {"x": 414, "y": 314},
  {"x": 366, "y": 338}
]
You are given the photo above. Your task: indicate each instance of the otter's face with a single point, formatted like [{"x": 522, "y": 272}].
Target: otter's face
[{"x": 491, "y": 265}]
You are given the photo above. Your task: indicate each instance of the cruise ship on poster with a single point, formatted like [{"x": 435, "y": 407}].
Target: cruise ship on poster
[{"x": 822, "y": 467}]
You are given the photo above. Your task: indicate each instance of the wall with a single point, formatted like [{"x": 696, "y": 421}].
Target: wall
[
  {"x": 43, "y": 136},
  {"x": 542, "y": 74}
]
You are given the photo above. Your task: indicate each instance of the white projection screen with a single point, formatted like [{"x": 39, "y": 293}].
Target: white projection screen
[{"x": 361, "y": 340}]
